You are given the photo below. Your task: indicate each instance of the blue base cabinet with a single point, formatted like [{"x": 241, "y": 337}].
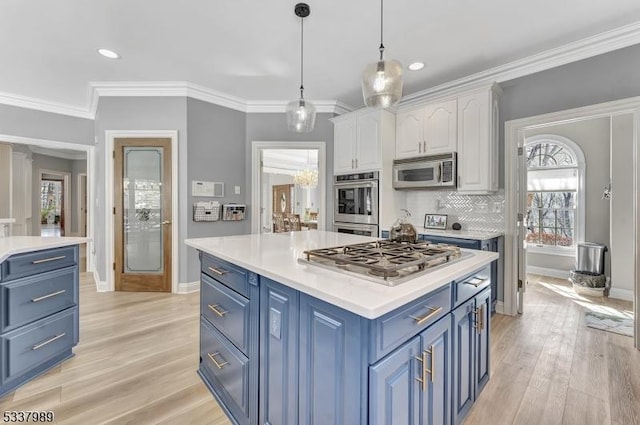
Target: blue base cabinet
[
  {"x": 273, "y": 355},
  {"x": 39, "y": 321}
]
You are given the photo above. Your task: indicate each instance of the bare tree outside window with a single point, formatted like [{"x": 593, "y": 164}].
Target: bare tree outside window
[{"x": 551, "y": 214}]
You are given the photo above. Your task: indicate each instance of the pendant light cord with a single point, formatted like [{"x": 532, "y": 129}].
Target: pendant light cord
[
  {"x": 381, "y": 29},
  {"x": 301, "y": 58}
]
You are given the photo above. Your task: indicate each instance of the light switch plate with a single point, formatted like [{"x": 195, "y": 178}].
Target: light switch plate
[{"x": 237, "y": 190}]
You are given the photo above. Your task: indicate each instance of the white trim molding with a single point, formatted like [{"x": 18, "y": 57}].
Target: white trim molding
[
  {"x": 621, "y": 294},
  {"x": 188, "y": 287},
  {"x": 101, "y": 286},
  {"x": 109, "y": 241},
  {"x": 543, "y": 271},
  {"x": 500, "y": 307},
  {"x": 45, "y": 105}
]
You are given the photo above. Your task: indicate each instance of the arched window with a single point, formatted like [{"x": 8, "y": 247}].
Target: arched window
[{"x": 555, "y": 198}]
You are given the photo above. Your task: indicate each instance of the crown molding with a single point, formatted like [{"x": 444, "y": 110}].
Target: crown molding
[
  {"x": 59, "y": 154},
  {"x": 43, "y": 105},
  {"x": 598, "y": 44},
  {"x": 582, "y": 49}
]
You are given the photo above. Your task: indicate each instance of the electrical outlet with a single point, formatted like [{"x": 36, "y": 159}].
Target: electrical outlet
[
  {"x": 497, "y": 207},
  {"x": 237, "y": 190},
  {"x": 482, "y": 208}
]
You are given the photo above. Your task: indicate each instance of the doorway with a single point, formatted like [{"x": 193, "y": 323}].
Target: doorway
[
  {"x": 301, "y": 167},
  {"x": 143, "y": 216},
  {"x": 82, "y": 204},
  {"x": 517, "y": 133},
  {"x": 54, "y": 203}
]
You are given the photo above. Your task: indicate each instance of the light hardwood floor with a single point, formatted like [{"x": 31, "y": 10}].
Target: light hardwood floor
[{"x": 138, "y": 354}]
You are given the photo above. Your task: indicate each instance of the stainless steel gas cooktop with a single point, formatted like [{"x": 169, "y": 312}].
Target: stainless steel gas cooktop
[{"x": 384, "y": 261}]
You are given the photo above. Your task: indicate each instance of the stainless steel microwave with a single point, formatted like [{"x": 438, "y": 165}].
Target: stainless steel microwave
[{"x": 425, "y": 172}]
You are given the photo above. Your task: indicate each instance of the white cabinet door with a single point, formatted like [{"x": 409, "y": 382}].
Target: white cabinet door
[
  {"x": 344, "y": 146},
  {"x": 409, "y": 133},
  {"x": 368, "y": 142},
  {"x": 440, "y": 127},
  {"x": 474, "y": 143}
]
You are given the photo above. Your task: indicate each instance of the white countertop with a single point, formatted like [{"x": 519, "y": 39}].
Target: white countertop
[
  {"x": 275, "y": 255},
  {"x": 7, "y": 220},
  {"x": 11, "y": 245}
]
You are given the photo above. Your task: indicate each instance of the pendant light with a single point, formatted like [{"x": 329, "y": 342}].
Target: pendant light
[
  {"x": 301, "y": 114},
  {"x": 382, "y": 80}
]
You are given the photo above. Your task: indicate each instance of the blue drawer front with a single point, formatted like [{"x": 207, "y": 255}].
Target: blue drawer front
[
  {"x": 232, "y": 276},
  {"x": 228, "y": 311},
  {"x": 31, "y": 345},
  {"x": 471, "y": 285},
  {"x": 31, "y": 298},
  {"x": 32, "y": 263},
  {"x": 226, "y": 369},
  {"x": 399, "y": 325},
  {"x": 462, "y": 243}
]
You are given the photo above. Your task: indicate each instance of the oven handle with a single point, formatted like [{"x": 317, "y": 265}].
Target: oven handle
[{"x": 357, "y": 185}]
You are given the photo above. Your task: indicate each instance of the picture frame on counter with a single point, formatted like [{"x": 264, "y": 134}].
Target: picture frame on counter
[{"x": 435, "y": 221}]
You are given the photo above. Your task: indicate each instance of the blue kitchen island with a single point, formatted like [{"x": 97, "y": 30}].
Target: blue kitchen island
[{"x": 283, "y": 342}]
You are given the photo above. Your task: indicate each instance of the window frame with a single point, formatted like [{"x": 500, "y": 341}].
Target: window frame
[{"x": 580, "y": 218}]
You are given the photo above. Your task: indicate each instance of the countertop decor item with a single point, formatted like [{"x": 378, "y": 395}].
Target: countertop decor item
[
  {"x": 301, "y": 114},
  {"x": 435, "y": 221},
  {"x": 402, "y": 230},
  {"x": 456, "y": 226},
  {"x": 382, "y": 80}
]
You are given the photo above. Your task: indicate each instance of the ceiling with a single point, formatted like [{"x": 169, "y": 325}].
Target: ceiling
[
  {"x": 250, "y": 49},
  {"x": 289, "y": 161}
]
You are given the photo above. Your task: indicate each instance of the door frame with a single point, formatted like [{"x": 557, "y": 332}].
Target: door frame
[
  {"x": 110, "y": 136},
  {"x": 91, "y": 175},
  {"x": 78, "y": 197},
  {"x": 66, "y": 194},
  {"x": 514, "y": 138},
  {"x": 256, "y": 177}
]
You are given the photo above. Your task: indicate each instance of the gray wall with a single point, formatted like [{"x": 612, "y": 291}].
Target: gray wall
[
  {"x": 602, "y": 78},
  {"x": 622, "y": 236},
  {"x": 45, "y": 125},
  {"x": 216, "y": 152},
  {"x": 273, "y": 128},
  {"x": 593, "y": 137},
  {"x": 46, "y": 162},
  {"x": 140, "y": 113}
]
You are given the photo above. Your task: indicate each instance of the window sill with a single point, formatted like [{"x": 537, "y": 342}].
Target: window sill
[{"x": 565, "y": 252}]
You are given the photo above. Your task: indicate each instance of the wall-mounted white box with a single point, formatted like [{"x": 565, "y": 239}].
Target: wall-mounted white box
[{"x": 209, "y": 189}]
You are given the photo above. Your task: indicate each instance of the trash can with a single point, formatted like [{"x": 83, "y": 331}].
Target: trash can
[{"x": 590, "y": 258}]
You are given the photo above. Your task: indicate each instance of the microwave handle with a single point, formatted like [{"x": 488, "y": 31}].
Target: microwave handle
[{"x": 439, "y": 172}]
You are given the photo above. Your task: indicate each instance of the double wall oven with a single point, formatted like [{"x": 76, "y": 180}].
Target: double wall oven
[{"x": 356, "y": 203}]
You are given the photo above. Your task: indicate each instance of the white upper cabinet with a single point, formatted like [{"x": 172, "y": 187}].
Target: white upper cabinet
[
  {"x": 440, "y": 127},
  {"x": 429, "y": 130},
  {"x": 358, "y": 139},
  {"x": 478, "y": 142}
]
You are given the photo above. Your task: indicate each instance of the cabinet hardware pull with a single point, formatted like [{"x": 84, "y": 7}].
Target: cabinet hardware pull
[
  {"x": 476, "y": 281},
  {"x": 424, "y": 147},
  {"x": 49, "y": 341},
  {"x": 433, "y": 312},
  {"x": 218, "y": 365},
  {"x": 432, "y": 371},
  {"x": 219, "y": 272},
  {"x": 44, "y": 297},
  {"x": 481, "y": 318},
  {"x": 215, "y": 307},
  {"x": 356, "y": 162},
  {"x": 423, "y": 379},
  {"x": 46, "y": 260},
  {"x": 352, "y": 164}
]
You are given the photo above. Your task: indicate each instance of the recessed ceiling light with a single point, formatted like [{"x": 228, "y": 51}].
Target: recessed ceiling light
[
  {"x": 109, "y": 54},
  {"x": 416, "y": 66}
]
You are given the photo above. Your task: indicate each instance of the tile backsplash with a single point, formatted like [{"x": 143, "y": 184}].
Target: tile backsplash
[{"x": 473, "y": 212}]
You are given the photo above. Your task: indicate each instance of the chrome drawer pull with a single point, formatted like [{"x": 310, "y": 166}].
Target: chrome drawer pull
[
  {"x": 219, "y": 272},
  {"x": 49, "y": 341},
  {"x": 432, "y": 371},
  {"x": 46, "y": 260},
  {"x": 476, "y": 281},
  {"x": 479, "y": 313},
  {"x": 215, "y": 307},
  {"x": 219, "y": 365},
  {"x": 423, "y": 379},
  {"x": 433, "y": 312},
  {"x": 44, "y": 297}
]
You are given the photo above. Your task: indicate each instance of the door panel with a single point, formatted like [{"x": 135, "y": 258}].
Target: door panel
[
  {"x": 463, "y": 376},
  {"x": 143, "y": 215},
  {"x": 436, "y": 399},
  {"x": 483, "y": 303}
]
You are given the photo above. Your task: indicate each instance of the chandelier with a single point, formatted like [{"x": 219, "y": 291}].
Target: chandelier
[{"x": 307, "y": 179}]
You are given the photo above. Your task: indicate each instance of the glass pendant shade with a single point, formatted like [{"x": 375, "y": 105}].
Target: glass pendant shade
[
  {"x": 382, "y": 83},
  {"x": 301, "y": 116}
]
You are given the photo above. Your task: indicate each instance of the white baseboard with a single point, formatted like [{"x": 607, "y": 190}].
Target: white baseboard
[
  {"x": 560, "y": 274},
  {"x": 621, "y": 294},
  {"x": 100, "y": 285},
  {"x": 500, "y": 307},
  {"x": 188, "y": 287}
]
